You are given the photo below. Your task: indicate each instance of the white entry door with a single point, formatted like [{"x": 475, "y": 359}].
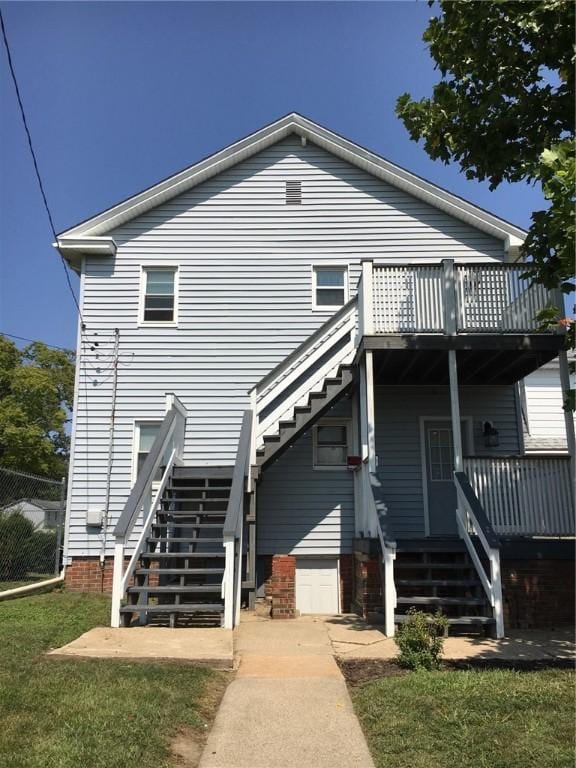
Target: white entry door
[{"x": 317, "y": 586}]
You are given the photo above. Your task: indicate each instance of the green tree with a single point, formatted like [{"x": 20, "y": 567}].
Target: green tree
[
  {"x": 504, "y": 110},
  {"x": 36, "y": 395}
]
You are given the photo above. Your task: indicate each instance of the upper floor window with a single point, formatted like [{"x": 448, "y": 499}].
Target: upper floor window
[
  {"x": 159, "y": 291},
  {"x": 330, "y": 287}
]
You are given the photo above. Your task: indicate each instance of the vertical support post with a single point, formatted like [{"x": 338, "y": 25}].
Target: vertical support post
[
  {"x": 389, "y": 592},
  {"x": 455, "y": 411},
  {"x": 568, "y": 417},
  {"x": 496, "y": 582},
  {"x": 357, "y": 474},
  {"x": 60, "y": 526},
  {"x": 117, "y": 577},
  {"x": 450, "y": 325},
  {"x": 228, "y": 584},
  {"x": 367, "y": 320},
  {"x": 252, "y": 457}
]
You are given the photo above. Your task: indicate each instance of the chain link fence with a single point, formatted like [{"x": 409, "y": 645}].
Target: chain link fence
[{"x": 32, "y": 512}]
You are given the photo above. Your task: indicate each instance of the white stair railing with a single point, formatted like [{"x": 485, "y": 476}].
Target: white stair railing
[
  {"x": 471, "y": 518},
  {"x": 302, "y": 372},
  {"x": 143, "y": 501},
  {"x": 233, "y": 527},
  {"x": 377, "y": 523}
]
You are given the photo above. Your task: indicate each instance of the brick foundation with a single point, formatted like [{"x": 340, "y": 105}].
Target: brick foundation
[
  {"x": 88, "y": 575},
  {"x": 346, "y": 582},
  {"x": 367, "y": 597},
  {"x": 280, "y": 584},
  {"x": 538, "y": 593}
]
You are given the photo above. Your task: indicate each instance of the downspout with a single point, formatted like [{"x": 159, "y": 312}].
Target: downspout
[{"x": 105, "y": 515}]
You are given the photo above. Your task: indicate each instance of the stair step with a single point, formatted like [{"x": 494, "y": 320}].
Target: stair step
[
  {"x": 170, "y": 608},
  {"x": 186, "y": 526},
  {"x": 188, "y": 500},
  {"x": 178, "y": 540},
  {"x": 454, "y": 620},
  {"x": 429, "y": 600},
  {"x": 180, "y": 555},
  {"x": 178, "y": 571},
  {"x": 199, "y": 488},
  {"x": 437, "y": 583},
  {"x": 202, "y": 473},
  {"x": 193, "y": 512},
  {"x": 175, "y": 589},
  {"x": 465, "y": 566}
]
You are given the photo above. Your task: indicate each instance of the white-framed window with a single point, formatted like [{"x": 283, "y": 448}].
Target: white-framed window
[
  {"x": 144, "y": 435},
  {"x": 159, "y": 295},
  {"x": 330, "y": 440},
  {"x": 329, "y": 287}
]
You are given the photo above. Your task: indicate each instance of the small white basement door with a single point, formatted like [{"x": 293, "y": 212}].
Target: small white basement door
[{"x": 317, "y": 586}]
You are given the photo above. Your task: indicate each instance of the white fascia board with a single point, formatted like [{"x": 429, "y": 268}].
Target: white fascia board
[
  {"x": 241, "y": 150},
  {"x": 74, "y": 248}
]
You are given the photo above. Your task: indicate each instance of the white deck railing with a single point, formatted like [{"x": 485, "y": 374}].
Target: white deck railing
[
  {"x": 451, "y": 298},
  {"x": 525, "y": 496}
]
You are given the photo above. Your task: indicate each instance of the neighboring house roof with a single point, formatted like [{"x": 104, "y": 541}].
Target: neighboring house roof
[
  {"x": 47, "y": 506},
  {"x": 89, "y": 235}
]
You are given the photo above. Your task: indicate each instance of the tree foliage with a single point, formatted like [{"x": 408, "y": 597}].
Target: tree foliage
[
  {"x": 36, "y": 395},
  {"x": 504, "y": 110}
]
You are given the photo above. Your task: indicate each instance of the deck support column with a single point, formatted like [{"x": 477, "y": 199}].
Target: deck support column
[
  {"x": 455, "y": 411},
  {"x": 367, "y": 433},
  {"x": 568, "y": 416}
]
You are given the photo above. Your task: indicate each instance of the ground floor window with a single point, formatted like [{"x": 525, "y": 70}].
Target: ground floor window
[{"x": 330, "y": 445}]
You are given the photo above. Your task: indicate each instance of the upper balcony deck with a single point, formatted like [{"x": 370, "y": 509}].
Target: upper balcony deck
[{"x": 486, "y": 311}]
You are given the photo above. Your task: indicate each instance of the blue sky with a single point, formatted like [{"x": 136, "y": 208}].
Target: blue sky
[{"x": 120, "y": 95}]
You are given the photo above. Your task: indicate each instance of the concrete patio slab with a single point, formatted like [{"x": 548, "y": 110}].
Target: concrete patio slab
[
  {"x": 305, "y": 636},
  {"x": 352, "y": 638},
  {"x": 205, "y": 647}
]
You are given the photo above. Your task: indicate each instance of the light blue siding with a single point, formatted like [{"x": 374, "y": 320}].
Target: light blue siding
[
  {"x": 398, "y": 413},
  {"x": 302, "y": 510},
  {"x": 245, "y": 301}
]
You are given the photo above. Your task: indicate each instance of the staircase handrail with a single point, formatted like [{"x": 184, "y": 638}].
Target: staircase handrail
[
  {"x": 233, "y": 526},
  {"x": 378, "y": 521},
  {"x": 470, "y": 515},
  {"x": 170, "y": 437},
  {"x": 307, "y": 344},
  {"x": 290, "y": 383}
]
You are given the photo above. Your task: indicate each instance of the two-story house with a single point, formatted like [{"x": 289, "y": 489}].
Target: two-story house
[{"x": 298, "y": 381}]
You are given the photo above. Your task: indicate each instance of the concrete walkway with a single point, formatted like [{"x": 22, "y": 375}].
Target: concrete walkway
[{"x": 288, "y": 706}]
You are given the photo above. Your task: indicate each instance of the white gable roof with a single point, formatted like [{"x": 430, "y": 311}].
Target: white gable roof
[{"x": 89, "y": 235}]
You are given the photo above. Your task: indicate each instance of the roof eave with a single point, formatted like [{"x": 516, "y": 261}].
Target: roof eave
[{"x": 106, "y": 221}]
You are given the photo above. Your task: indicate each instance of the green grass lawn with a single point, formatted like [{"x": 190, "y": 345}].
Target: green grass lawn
[
  {"x": 57, "y": 713},
  {"x": 475, "y": 719}
]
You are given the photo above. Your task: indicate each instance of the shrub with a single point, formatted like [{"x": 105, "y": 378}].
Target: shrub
[
  {"x": 15, "y": 532},
  {"x": 420, "y": 640}
]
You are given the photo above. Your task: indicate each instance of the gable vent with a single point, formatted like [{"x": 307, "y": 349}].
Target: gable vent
[{"x": 293, "y": 193}]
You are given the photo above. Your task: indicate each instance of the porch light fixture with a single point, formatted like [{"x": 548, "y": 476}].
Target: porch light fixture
[{"x": 491, "y": 435}]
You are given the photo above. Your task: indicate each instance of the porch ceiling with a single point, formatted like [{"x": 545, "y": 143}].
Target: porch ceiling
[{"x": 481, "y": 366}]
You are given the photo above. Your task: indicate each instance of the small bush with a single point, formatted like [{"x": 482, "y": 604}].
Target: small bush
[
  {"x": 420, "y": 640},
  {"x": 15, "y": 531}
]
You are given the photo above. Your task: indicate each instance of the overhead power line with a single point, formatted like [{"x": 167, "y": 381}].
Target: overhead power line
[
  {"x": 34, "y": 341},
  {"x": 35, "y": 162}
]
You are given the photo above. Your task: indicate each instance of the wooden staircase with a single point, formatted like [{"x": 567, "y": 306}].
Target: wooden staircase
[
  {"x": 179, "y": 578},
  {"x": 435, "y": 575},
  {"x": 318, "y": 402}
]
